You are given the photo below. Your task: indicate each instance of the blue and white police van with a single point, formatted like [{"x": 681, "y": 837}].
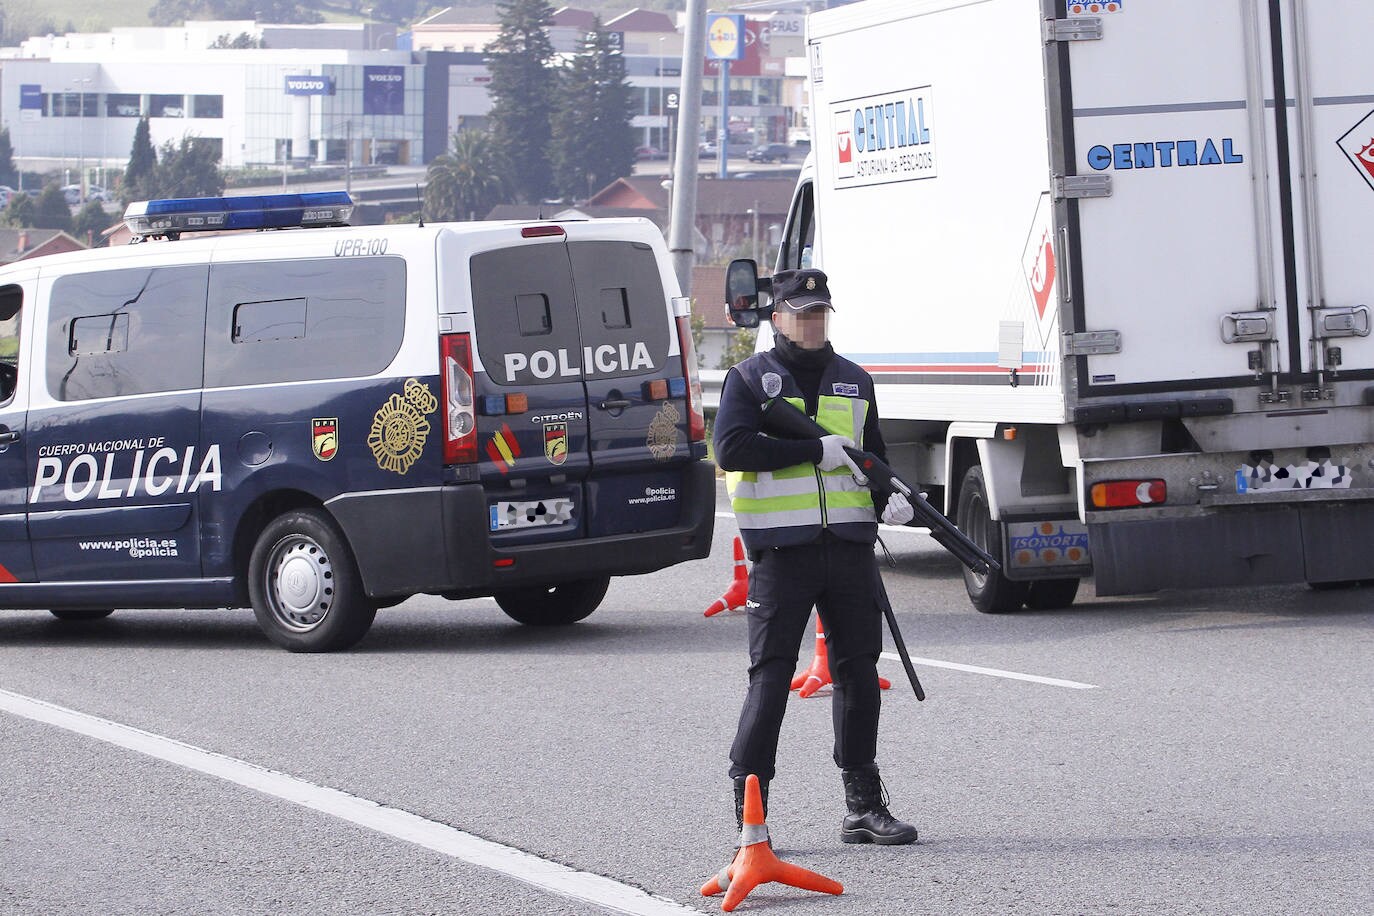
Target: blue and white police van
[{"x": 320, "y": 420}]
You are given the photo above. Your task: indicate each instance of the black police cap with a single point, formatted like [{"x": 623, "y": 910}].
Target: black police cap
[{"x": 800, "y": 290}]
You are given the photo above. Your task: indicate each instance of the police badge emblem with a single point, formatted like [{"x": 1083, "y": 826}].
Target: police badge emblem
[
  {"x": 324, "y": 437},
  {"x": 662, "y": 439},
  {"x": 399, "y": 428},
  {"x": 772, "y": 384},
  {"x": 556, "y": 442}
]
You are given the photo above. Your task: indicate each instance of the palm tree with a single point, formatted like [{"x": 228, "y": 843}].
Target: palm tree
[{"x": 464, "y": 183}]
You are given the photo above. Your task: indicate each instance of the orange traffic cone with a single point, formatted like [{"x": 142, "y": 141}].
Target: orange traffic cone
[
  {"x": 738, "y": 592},
  {"x": 818, "y": 675},
  {"x": 755, "y": 862}
]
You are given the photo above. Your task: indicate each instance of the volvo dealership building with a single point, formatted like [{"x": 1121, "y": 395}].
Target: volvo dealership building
[{"x": 78, "y": 99}]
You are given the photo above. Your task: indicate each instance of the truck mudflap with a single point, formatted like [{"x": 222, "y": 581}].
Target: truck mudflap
[{"x": 1264, "y": 541}]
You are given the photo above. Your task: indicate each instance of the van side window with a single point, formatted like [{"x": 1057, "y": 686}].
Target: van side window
[
  {"x": 801, "y": 231},
  {"x": 279, "y": 319},
  {"x": 95, "y": 334},
  {"x": 122, "y": 332},
  {"x": 11, "y": 304},
  {"x": 298, "y": 320}
]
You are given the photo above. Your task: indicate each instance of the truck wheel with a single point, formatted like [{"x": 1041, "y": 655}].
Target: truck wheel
[
  {"x": 304, "y": 584},
  {"x": 1051, "y": 594},
  {"x": 993, "y": 593},
  {"x": 553, "y": 606},
  {"x": 81, "y": 613}
]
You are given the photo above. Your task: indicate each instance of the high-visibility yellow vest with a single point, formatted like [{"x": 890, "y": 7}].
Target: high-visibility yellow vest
[{"x": 792, "y": 505}]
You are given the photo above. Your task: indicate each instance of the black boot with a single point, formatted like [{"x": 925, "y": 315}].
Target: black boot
[
  {"x": 739, "y": 799},
  {"x": 868, "y": 820}
]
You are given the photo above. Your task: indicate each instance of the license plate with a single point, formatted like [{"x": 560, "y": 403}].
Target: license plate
[{"x": 509, "y": 515}]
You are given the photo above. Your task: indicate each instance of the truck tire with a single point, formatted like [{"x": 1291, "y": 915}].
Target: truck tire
[
  {"x": 1051, "y": 594},
  {"x": 76, "y": 614},
  {"x": 553, "y": 606},
  {"x": 304, "y": 584},
  {"x": 993, "y": 593}
]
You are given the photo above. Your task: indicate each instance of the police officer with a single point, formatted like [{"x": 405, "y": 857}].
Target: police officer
[{"x": 810, "y": 530}]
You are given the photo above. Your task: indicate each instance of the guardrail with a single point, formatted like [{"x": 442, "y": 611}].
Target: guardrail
[{"x": 711, "y": 382}]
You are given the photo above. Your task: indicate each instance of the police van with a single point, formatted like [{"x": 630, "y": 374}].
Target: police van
[{"x": 322, "y": 420}]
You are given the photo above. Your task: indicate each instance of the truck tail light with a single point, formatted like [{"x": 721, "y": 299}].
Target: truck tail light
[
  {"x": 1128, "y": 494},
  {"x": 696, "y": 418},
  {"x": 460, "y": 417}
]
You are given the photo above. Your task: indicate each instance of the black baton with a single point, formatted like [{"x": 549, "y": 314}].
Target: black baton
[{"x": 886, "y": 605}]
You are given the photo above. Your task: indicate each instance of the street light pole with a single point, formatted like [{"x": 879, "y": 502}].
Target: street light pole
[
  {"x": 661, "y": 113},
  {"x": 81, "y": 131}
]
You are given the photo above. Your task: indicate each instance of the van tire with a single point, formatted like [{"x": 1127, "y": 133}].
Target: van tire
[
  {"x": 992, "y": 593},
  {"x": 78, "y": 614},
  {"x": 324, "y": 607},
  {"x": 1051, "y": 594},
  {"x": 553, "y": 606}
]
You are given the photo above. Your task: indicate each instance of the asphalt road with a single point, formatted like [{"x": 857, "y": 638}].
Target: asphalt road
[{"x": 1219, "y": 762}]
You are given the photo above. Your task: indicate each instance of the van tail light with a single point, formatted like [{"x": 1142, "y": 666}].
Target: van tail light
[
  {"x": 696, "y": 419},
  {"x": 1128, "y": 494},
  {"x": 460, "y": 417}
]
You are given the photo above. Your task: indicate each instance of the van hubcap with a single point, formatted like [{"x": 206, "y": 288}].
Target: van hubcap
[{"x": 301, "y": 582}]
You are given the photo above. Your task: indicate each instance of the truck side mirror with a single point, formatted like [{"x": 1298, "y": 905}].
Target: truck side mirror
[{"x": 742, "y": 288}]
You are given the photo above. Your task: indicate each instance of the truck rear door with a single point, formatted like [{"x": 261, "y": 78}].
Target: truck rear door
[
  {"x": 1331, "y": 123},
  {"x": 1174, "y": 216}
]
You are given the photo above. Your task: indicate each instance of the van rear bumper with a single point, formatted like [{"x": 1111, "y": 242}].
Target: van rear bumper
[
  {"x": 1308, "y": 541},
  {"x": 436, "y": 540}
]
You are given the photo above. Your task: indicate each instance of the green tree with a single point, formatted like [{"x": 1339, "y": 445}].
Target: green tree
[
  {"x": 51, "y": 210},
  {"x": 20, "y": 212},
  {"x": 740, "y": 348},
  {"x": 140, "y": 174},
  {"x": 523, "y": 88},
  {"x": 91, "y": 220},
  {"x": 239, "y": 41},
  {"x": 593, "y": 143},
  {"x": 465, "y": 182},
  {"x": 189, "y": 169},
  {"x": 8, "y": 173}
]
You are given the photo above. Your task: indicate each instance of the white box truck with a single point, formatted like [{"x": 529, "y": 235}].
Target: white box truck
[{"x": 1114, "y": 296}]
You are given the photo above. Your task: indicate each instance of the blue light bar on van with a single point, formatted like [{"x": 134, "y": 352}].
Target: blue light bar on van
[{"x": 175, "y": 215}]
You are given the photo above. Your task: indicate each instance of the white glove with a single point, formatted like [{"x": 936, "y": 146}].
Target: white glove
[
  {"x": 832, "y": 452},
  {"x": 898, "y": 510}
]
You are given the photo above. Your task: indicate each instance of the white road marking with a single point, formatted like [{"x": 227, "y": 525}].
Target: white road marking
[
  {"x": 993, "y": 672},
  {"x": 402, "y": 825}
]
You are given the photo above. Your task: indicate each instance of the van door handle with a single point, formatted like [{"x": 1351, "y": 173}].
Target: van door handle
[
  {"x": 614, "y": 404},
  {"x": 9, "y": 437}
]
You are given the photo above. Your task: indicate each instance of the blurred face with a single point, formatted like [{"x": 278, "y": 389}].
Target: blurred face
[{"x": 808, "y": 330}]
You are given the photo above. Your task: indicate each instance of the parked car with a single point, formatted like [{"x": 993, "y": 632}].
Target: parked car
[
  {"x": 6, "y": 192},
  {"x": 769, "y": 152},
  {"x": 708, "y": 149},
  {"x": 72, "y": 193},
  {"x": 649, "y": 152}
]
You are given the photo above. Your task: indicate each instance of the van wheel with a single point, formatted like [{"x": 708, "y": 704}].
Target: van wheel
[
  {"x": 304, "y": 584},
  {"x": 553, "y": 606},
  {"x": 81, "y": 613},
  {"x": 992, "y": 593},
  {"x": 1051, "y": 594}
]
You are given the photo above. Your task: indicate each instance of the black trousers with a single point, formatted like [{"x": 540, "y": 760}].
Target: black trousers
[{"x": 839, "y": 578}]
